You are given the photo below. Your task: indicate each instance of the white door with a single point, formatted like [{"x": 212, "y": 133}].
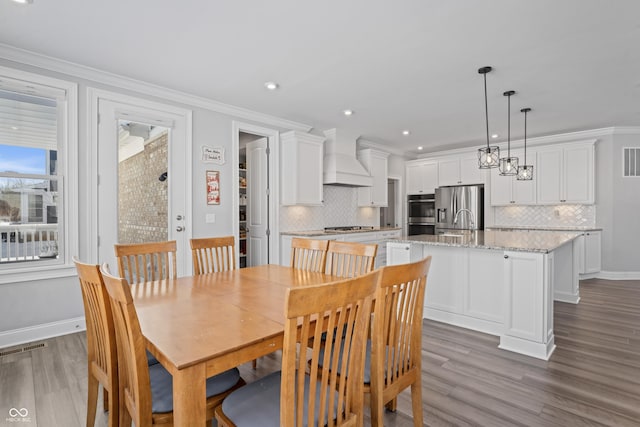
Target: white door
[
  {"x": 258, "y": 202},
  {"x": 111, "y": 116}
]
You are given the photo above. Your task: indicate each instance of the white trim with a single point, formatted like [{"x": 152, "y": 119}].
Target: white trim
[
  {"x": 274, "y": 184},
  {"x": 128, "y": 84},
  {"x": 467, "y": 322},
  {"x": 92, "y": 109},
  {"x": 618, "y": 275},
  {"x": 526, "y": 347},
  {"x": 68, "y": 141},
  {"x": 566, "y": 297},
  {"x": 364, "y": 143},
  {"x": 587, "y": 276},
  {"x": 41, "y": 332}
]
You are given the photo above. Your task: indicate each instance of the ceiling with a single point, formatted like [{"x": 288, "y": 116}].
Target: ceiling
[{"x": 398, "y": 65}]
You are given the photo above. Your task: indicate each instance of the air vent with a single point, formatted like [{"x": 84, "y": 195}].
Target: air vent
[
  {"x": 22, "y": 349},
  {"x": 631, "y": 162}
]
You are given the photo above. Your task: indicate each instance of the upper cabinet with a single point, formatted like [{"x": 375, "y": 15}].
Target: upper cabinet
[
  {"x": 507, "y": 190},
  {"x": 301, "y": 168},
  {"x": 376, "y": 164},
  {"x": 422, "y": 176},
  {"x": 565, "y": 174},
  {"x": 459, "y": 170}
]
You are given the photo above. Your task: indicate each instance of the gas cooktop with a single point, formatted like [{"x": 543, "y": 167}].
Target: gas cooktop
[{"x": 349, "y": 228}]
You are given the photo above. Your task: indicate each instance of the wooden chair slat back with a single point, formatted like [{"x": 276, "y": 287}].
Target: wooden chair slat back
[
  {"x": 101, "y": 339},
  {"x": 350, "y": 259},
  {"x": 147, "y": 262},
  {"x": 134, "y": 386},
  {"x": 309, "y": 254},
  {"x": 309, "y": 311},
  {"x": 213, "y": 254}
]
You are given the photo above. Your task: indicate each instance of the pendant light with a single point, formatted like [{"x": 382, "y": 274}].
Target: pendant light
[
  {"x": 509, "y": 165},
  {"x": 525, "y": 172},
  {"x": 488, "y": 157}
]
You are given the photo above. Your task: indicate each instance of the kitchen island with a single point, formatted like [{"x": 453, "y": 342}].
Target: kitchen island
[{"x": 498, "y": 282}]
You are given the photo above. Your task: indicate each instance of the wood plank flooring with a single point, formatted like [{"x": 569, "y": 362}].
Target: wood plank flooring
[{"x": 592, "y": 379}]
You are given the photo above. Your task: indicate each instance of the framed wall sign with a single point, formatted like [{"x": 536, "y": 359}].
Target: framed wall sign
[
  {"x": 213, "y": 187},
  {"x": 213, "y": 155}
]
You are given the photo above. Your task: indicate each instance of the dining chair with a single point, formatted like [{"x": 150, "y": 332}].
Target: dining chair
[
  {"x": 213, "y": 254},
  {"x": 146, "y": 392},
  {"x": 350, "y": 259},
  {"x": 394, "y": 357},
  {"x": 291, "y": 397},
  {"x": 146, "y": 262},
  {"x": 309, "y": 254},
  {"x": 101, "y": 340}
]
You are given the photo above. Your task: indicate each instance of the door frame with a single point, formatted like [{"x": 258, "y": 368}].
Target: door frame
[
  {"x": 399, "y": 204},
  {"x": 273, "y": 137},
  {"x": 93, "y": 97}
]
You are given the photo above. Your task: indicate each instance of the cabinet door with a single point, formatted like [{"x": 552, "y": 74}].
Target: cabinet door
[
  {"x": 549, "y": 176},
  {"x": 578, "y": 174},
  {"x": 398, "y": 253},
  {"x": 310, "y": 171},
  {"x": 500, "y": 189},
  {"x": 375, "y": 195},
  {"x": 422, "y": 178},
  {"x": 470, "y": 173},
  {"x": 449, "y": 171},
  {"x": 592, "y": 251}
]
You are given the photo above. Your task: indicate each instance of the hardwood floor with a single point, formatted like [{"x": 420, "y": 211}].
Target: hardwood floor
[{"x": 592, "y": 379}]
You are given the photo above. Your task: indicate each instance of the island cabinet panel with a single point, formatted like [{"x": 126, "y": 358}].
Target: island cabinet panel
[
  {"x": 484, "y": 298},
  {"x": 448, "y": 277}
]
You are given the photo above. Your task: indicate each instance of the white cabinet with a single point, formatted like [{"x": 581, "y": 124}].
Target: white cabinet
[
  {"x": 459, "y": 170},
  {"x": 403, "y": 253},
  {"x": 507, "y": 190},
  {"x": 566, "y": 174},
  {"x": 301, "y": 168},
  {"x": 589, "y": 252},
  {"x": 376, "y": 164},
  {"x": 422, "y": 176}
]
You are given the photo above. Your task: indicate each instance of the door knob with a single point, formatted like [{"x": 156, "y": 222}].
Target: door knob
[
  {"x": 179, "y": 228},
  {"x": 179, "y": 217}
]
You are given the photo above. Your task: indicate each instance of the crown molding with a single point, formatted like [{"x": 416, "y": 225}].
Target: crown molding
[
  {"x": 365, "y": 143},
  {"x": 33, "y": 59}
]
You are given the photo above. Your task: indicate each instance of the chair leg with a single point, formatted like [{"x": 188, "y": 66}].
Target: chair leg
[
  {"x": 416, "y": 402},
  {"x": 254, "y": 364},
  {"x": 114, "y": 408},
  {"x": 92, "y": 399},
  {"x": 392, "y": 405},
  {"x": 105, "y": 400},
  {"x": 125, "y": 417},
  {"x": 376, "y": 404}
]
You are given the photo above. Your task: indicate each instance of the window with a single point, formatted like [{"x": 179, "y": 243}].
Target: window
[{"x": 38, "y": 195}]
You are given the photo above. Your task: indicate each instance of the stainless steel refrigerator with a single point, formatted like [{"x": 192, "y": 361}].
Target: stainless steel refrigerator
[{"x": 459, "y": 208}]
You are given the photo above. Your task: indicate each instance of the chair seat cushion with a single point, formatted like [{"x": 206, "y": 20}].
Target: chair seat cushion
[
  {"x": 151, "y": 360},
  {"x": 258, "y": 403},
  {"x": 367, "y": 361},
  {"x": 162, "y": 386}
]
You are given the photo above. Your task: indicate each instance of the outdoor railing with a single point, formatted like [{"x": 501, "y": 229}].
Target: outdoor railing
[{"x": 28, "y": 242}]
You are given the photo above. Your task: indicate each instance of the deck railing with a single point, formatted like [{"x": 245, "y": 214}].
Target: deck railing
[{"x": 28, "y": 242}]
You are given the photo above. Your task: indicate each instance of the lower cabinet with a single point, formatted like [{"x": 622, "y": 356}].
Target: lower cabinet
[{"x": 589, "y": 252}]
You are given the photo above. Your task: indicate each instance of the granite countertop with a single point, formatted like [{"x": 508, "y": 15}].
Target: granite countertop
[
  {"x": 524, "y": 241},
  {"x": 562, "y": 228},
  {"x": 311, "y": 233}
]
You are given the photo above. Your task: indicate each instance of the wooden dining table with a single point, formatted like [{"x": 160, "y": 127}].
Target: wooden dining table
[{"x": 200, "y": 326}]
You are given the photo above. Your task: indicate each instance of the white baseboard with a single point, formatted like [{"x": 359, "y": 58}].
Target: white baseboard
[
  {"x": 618, "y": 275},
  {"x": 566, "y": 297},
  {"x": 587, "y": 276},
  {"x": 41, "y": 332}
]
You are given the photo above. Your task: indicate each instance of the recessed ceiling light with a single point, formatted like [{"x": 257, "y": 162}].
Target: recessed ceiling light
[
  {"x": 420, "y": 148},
  {"x": 23, "y": 1},
  {"x": 271, "y": 85},
  {"x": 405, "y": 132},
  {"x": 14, "y": 127},
  {"x": 494, "y": 136},
  {"x": 348, "y": 112}
]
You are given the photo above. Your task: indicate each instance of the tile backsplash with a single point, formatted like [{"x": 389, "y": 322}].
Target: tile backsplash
[
  {"x": 546, "y": 216},
  {"x": 340, "y": 208}
]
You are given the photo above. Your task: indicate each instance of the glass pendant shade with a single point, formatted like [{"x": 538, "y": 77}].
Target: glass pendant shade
[
  {"x": 509, "y": 165},
  {"x": 489, "y": 156},
  {"x": 525, "y": 172}
]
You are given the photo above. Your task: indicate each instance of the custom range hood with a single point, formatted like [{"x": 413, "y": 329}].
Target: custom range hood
[{"x": 341, "y": 167}]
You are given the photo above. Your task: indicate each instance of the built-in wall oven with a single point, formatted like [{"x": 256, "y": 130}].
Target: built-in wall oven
[{"x": 421, "y": 211}]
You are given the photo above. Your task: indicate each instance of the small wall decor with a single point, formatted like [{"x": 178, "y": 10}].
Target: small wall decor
[
  {"x": 213, "y": 187},
  {"x": 213, "y": 155}
]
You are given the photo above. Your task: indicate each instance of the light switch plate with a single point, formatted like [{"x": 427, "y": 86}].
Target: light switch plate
[{"x": 210, "y": 218}]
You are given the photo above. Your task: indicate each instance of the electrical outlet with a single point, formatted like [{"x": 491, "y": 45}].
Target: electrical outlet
[{"x": 210, "y": 218}]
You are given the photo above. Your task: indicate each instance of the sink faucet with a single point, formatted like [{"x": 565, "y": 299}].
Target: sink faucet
[{"x": 471, "y": 218}]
